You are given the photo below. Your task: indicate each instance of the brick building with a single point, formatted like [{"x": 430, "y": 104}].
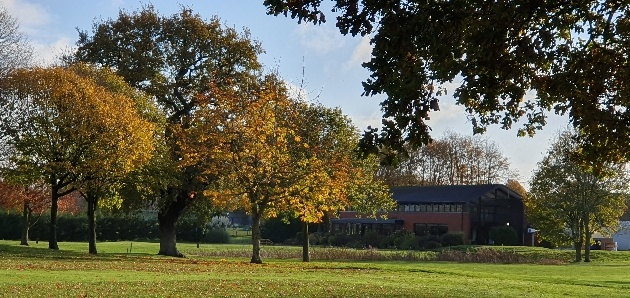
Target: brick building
[{"x": 437, "y": 210}]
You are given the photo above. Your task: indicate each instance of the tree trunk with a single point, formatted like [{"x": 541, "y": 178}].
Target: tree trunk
[
  {"x": 256, "y": 217},
  {"x": 52, "y": 239},
  {"x": 167, "y": 219},
  {"x": 305, "y": 243},
  {"x": 92, "y": 203},
  {"x": 587, "y": 240},
  {"x": 26, "y": 222},
  {"x": 578, "y": 251}
]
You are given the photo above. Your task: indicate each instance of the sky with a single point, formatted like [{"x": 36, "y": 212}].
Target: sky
[{"x": 318, "y": 60}]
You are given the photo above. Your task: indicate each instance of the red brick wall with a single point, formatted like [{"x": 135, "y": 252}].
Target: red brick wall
[{"x": 456, "y": 221}]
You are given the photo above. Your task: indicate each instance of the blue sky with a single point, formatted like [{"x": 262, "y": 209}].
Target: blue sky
[{"x": 324, "y": 63}]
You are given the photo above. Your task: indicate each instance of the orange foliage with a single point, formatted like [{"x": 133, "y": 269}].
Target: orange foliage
[{"x": 13, "y": 197}]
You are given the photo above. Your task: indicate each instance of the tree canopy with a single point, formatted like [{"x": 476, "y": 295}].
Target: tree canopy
[
  {"x": 69, "y": 128},
  {"x": 449, "y": 160},
  {"x": 568, "y": 202},
  {"x": 179, "y": 60},
  {"x": 512, "y": 62}
]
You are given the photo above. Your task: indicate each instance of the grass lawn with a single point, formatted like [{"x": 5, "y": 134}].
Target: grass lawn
[{"x": 36, "y": 271}]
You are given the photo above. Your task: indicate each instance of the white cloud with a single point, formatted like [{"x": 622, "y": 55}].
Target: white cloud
[
  {"x": 295, "y": 91},
  {"x": 30, "y": 15},
  {"x": 47, "y": 54},
  {"x": 361, "y": 53},
  {"x": 320, "y": 39}
]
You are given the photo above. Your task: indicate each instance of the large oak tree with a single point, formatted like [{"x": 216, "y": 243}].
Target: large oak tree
[
  {"x": 175, "y": 59},
  {"x": 510, "y": 61}
]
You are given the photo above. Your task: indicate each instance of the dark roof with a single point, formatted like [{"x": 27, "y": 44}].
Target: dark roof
[{"x": 449, "y": 193}]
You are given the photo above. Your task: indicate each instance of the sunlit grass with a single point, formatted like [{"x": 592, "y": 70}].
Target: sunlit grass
[{"x": 70, "y": 272}]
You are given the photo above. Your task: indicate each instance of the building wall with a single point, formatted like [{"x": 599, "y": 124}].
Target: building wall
[
  {"x": 622, "y": 237},
  {"x": 456, "y": 221}
]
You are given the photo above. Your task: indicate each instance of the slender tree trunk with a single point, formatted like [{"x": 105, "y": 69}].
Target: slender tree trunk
[
  {"x": 26, "y": 222},
  {"x": 52, "y": 238},
  {"x": 167, "y": 219},
  {"x": 256, "y": 218},
  {"x": 578, "y": 242},
  {"x": 91, "y": 212},
  {"x": 305, "y": 243},
  {"x": 587, "y": 239}
]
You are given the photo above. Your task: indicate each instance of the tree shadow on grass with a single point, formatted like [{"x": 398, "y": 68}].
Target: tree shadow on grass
[{"x": 20, "y": 251}]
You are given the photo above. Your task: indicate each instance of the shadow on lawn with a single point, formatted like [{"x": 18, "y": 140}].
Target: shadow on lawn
[{"x": 20, "y": 251}]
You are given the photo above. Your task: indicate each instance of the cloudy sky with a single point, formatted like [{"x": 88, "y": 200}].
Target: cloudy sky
[{"x": 325, "y": 64}]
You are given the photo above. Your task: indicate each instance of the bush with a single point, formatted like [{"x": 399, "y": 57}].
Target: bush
[
  {"x": 423, "y": 240},
  {"x": 453, "y": 239},
  {"x": 504, "y": 235},
  {"x": 409, "y": 242},
  {"x": 432, "y": 245},
  {"x": 403, "y": 239},
  {"x": 217, "y": 235},
  {"x": 372, "y": 239},
  {"x": 277, "y": 230},
  {"x": 343, "y": 240}
]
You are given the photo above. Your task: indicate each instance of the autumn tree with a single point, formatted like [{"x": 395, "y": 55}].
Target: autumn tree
[
  {"x": 451, "y": 160},
  {"x": 272, "y": 155},
  {"x": 126, "y": 145},
  {"x": 174, "y": 59},
  {"x": 28, "y": 199},
  {"x": 346, "y": 179},
  {"x": 566, "y": 56},
  {"x": 569, "y": 202},
  {"x": 66, "y": 127}
]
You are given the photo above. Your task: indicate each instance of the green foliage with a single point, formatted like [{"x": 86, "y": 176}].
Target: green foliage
[
  {"x": 570, "y": 199},
  {"x": 179, "y": 60},
  {"x": 504, "y": 235},
  {"x": 217, "y": 235},
  {"x": 453, "y": 239},
  {"x": 279, "y": 230},
  {"x": 567, "y": 56}
]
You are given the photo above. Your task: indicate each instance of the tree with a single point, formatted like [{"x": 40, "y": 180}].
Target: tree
[
  {"x": 67, "y": 128},
  {"x": 569, "y": 202},
  {"x": 126, "y": 145},
  {"x": 28, "y": 199},
  {"x": 15, "y": 51},
  {"x": 453, "y": 159},
  {"x": 276, "y": 156},
  {"x": 516, "y": 60},
  {"x": 348, "y": 180},
  {"x": 175, "y": 60}
]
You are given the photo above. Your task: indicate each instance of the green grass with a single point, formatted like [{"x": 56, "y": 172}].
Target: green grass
[{"x": 36, "y": 271}]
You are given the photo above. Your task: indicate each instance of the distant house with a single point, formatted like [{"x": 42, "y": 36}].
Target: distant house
[
  {"x": 437, "y": 210},
  {"x": 622, "y": 236}
]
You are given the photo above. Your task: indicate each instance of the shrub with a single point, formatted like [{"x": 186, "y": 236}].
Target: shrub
[
  {"x": 217, "y": 235},
  {"x": 401, "y": 239},
  {"x": 372, "y": 239},
  {"x": 504, "y": 235},
  {"x": 343, "y": 240},
  {"x": 423, "y": 240},
  {"x": 432, "y": 245},
  {"x": 453, "y": 239},
  {"x": 277, "y": 230}
]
